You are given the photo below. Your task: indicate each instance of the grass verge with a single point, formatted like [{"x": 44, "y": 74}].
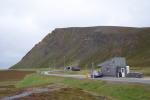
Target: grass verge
[{"x": 115, "y": 91}]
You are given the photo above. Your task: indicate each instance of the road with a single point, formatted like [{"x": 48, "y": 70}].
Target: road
[
  {"x": 64, "y": 75},
  {"x": 127, "y": 80},
  {"x": 111, "y": 79}
]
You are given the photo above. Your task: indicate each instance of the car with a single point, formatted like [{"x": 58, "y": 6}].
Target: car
[
  {"x": 96, "y": 74},
  {"x": 72, "y": 68},
  {"x": 134, "y": 75}
]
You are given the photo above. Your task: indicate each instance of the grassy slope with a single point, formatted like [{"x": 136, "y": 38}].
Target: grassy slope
[
  {"x": 115, "y": 91},
  {"x": 103, "y": 43},
  {"x": 141, "y": 58}
]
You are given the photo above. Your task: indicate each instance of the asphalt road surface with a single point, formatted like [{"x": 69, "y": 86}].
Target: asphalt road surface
[
  {"x": 127, "y": 80},
  {"x": 112, "y": 79},
  {"x": 64, "y": 75}
]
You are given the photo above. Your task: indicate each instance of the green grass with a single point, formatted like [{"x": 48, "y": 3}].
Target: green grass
[
  {"x": 115, "y": 91},
  {"x": 33, "y": 80}
]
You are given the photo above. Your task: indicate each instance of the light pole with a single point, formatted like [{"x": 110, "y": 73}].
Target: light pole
[
  {"x": 64, "y": 62},
  {"x": 87, "y": 40},
  {"x": 92, "y": 70},
  {"x": 49, "y": 66},
  {"x": 54, "y": 64},
  {"x": 92, "y": 67}
]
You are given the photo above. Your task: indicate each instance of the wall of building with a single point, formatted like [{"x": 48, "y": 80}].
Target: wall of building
[{"x": 109, "y": 71}]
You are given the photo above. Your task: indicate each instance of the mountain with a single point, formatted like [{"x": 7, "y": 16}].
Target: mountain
[{"x": 84, "y": 45}]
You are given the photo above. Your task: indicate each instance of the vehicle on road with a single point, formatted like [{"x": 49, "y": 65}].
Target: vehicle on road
[
  {"x": 96, "y": 74},
  {"x": 72, "y": 68}
]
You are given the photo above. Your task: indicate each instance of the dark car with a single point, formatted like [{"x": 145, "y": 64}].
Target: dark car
[
  {"x": 72, "y": 68},
  {"x": 96, "y": 74},
  {"x": 75, "y": 68},
  {"x": 135, "y": 75}
]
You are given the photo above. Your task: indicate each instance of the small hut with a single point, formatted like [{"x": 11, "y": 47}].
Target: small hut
[{"x": 114, "y": 67}]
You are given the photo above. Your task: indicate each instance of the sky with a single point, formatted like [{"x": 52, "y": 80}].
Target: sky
[{"x": 24, "y": 23}]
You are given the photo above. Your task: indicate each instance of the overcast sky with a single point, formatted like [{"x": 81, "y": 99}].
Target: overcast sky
[{"x": 23, "y": 23}]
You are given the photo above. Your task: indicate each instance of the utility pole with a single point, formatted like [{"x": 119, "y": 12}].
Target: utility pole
[
  {"x": 92, "y": 70},
  {"x": 54, "y": 64},
  {"x": 64, "y": 62},
  {"x": 49, "y": 66},
  {"x": 87, "y": 40}
]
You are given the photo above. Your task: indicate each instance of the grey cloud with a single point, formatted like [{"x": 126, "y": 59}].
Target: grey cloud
[{"x": 23, "y": 23}]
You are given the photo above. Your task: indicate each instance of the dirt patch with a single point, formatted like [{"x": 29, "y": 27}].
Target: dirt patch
[
  {"x": 8, "y": 91},
  {"x": 7, "y": 86},
  {"x": 8, "y": 79},
  {"x": 54, "y": 92},
  {"x": 11, "y": 75},
  {"x": 64, "y": 94}
]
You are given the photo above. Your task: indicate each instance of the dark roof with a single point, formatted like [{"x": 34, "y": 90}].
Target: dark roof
[{"x": 116, "y": 61}]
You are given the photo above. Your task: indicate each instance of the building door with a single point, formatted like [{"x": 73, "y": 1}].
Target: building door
[{"x": 123, "y": 72}]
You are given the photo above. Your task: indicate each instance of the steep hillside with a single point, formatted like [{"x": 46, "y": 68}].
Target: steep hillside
[{"x": 81, "y": 46}]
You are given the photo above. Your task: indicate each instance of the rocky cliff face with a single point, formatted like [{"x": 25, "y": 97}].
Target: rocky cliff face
[{"x": 81, "y": 46}]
